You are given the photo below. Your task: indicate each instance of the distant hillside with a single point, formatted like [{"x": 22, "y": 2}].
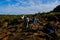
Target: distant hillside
[{"x": 57, "y": 9}]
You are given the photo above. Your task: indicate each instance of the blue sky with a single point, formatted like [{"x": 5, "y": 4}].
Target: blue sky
[{"x": 27, "y": 6}]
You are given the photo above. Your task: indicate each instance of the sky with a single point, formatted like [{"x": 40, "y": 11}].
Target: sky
[{"x": 27, "y": 6}]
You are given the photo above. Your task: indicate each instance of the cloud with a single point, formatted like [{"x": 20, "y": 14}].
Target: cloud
[{"x": 29, "y": 7}]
